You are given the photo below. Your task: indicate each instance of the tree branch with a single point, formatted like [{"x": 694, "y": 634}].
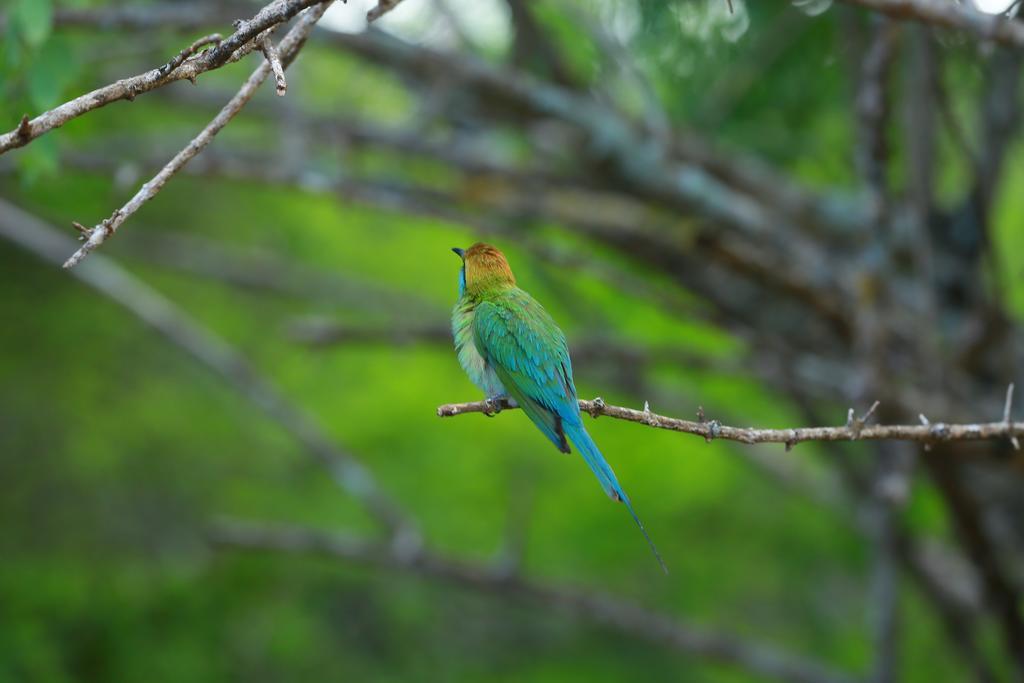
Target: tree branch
[
  {"x": 231, "y": 49},
  {"x": 286, "y": 51},
  {"x": 630, "y": 161},
  {"x": 855, "y": 428},
  {"x": 601, "y": 608},
  {"x": 513, "y": 197},
  {"x": 156, "y": 311},
  {"x": 382, "y": 8}
]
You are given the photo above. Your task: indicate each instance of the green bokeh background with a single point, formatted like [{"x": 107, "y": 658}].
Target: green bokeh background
[{"x": 118, "y": 451}]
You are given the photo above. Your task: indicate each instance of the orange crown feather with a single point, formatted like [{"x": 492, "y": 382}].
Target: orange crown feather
[{"x": 486, "y": 267}]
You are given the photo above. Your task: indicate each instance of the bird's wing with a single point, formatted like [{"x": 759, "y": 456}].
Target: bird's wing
[{"x": 518, "y": 338}]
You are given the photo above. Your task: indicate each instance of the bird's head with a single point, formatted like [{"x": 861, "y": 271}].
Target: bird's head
[{"x": 483, "y": 268}]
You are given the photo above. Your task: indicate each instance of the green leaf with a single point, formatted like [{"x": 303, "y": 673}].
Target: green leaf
[
  {"x": 33, "y": 19},
  {"x": 50, "y": 72}
]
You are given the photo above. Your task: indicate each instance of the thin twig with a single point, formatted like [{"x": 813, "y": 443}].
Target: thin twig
[
  {"x": 234, "y": 47},
  {"x": 1006, "y": 414},
  {"x": 289, "y": 46},
  {"x": 382, "y": 8},
  {"x": 212, "y": 39},
  {"x": 710, "y": 430},
  {"x": 270, "y": 52}
]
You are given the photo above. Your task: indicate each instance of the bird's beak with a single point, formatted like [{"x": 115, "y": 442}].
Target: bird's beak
[{"x": 460, "y": 252}]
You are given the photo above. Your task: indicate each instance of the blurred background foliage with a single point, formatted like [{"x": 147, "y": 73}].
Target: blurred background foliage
[{"x": 118, "y": 451}]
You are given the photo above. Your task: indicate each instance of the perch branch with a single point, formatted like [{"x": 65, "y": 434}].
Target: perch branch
[
  {"x": 232, "y": 48},
  {"x": 855, "y": 429},
  {"x": 612, "y": 611},
  {"x": 289, "y": 46}
]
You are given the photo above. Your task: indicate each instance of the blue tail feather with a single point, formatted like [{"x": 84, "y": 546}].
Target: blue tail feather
[{"x": 588, "y": 449}]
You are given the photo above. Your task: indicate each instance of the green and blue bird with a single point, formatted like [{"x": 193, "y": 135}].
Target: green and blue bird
[{"x": 511, "y": 348}]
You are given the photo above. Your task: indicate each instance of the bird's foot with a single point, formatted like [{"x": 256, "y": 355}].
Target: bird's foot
[
  {"x": 495, "y": 404},
  {"x": 492, "y": 406}
]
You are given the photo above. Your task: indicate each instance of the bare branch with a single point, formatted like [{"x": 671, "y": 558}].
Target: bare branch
[
  {"x": 617, "y": 613},
  {"x": 269, "y": 51},
  {"x": 109, "y": 279},
  {"x": 289, "y": 46},
  {"x": 234, "y": 47},
  {"x": 711, "y": 430},
  {"x": 382, "y": 8},
  {"x": 952, "y": 15},
  {"x": 608, "y": 217},
  {"x": 212, "y": 39},
  {"x": 1006, "y": 414},
  {"x": 632, "y": 162}
]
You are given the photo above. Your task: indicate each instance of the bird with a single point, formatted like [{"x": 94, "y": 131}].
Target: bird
[{"x": 512, "y": 350}]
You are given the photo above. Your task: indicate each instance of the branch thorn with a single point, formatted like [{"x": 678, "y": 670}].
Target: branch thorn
[
  {"x": 648, "y": 415},
  {"x": 1006, "y": 416},
  {"x": 855, "y": 424},
  {"x": 24, "y": 128},
  {"x": 924, "y": 420},
  {"x": 713, "y": 430}
]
